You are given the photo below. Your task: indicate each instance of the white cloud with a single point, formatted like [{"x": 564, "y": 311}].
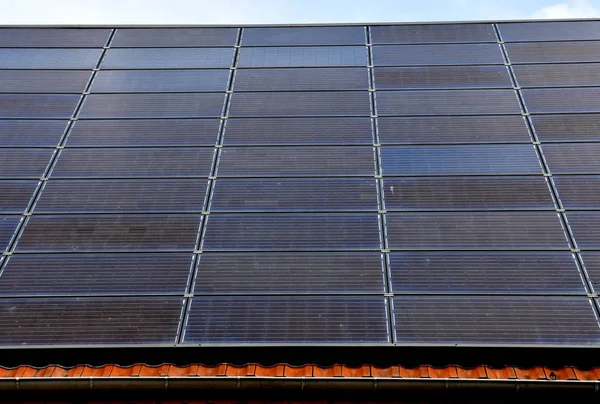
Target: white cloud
[{"x": 570, "y": 9}]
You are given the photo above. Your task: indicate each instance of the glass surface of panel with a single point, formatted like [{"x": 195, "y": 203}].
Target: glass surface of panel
[
  {"x": 448, "y": 102},
  {"x": 434, "y": 33},
  {"x": 306, "y": 78},
  {"x": 168, "y": 58},
  {"x": 455, "y": 54},
  {"x": 303, "y": 160},
  {"x": 559, "y": 75},
  {"x": 550, "y": 31},
  {"x": 235, "y": 273},
  {"x": 303, "y": 56},
  {"x": 453, "y": 129},
  {"x": 573, "y": 158},
  {"x": 463, "y": 159},
  {"x": 464, "y": 193},
  {"x": 567, "y": 128},
  {"x": 83, "y": 233},
  {"x": 314, "y": 231},
  {"x": 495, "y": 320},
  {"x": 345, "y": 103},
  {"x": 591, "y": 262},
  {"x": 149, "y": 37},
  {"x": 31, "y": 133},
  {"x": 144, "y": 132},
  {"x": 49, "y": 58},
  {"x": 8, "y": 225},
  {"x": 578, "y": 192},
  {"x": 586, "y": 228},
  {"x": 548, "y": 100},
  {"x": 395, "y": 78},
  {"x": 553, "y": 52},
  {"x": 152, "y": 105},
  {"x": 37, "y": 105},
  {"x": 43, "y": 81},
  {"x": 485, "y": 272},
  {"x": 53, "y": 37},
  {"x": 85, "y": 274},
  {"x": 24, "y": 163},
  {"x": 263, "y": 319},
  {"x": 476, "y": 230},
  {"x": 15, "y": 195},
  {"x": 138, "y": 81},
  {"x": 113, "y": 196},
  {"x": 164, "y": 162},
  {"x": 87, "y": 321},
  {"x": 274, "y": 36},
  {"x": 273, "y": 131},
  {"x": 294, "y": 194}
]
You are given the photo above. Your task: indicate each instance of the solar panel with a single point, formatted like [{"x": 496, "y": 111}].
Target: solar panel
[
  {"x": 398, "y": 78},
  {"x": 567, "y": 128},
  {"x": 15, "y": 195},
  {"x": 303, "y": 36},
  {"x": 43, "y": 81},
  {"x": 24, "y": 163},
  {"x": 37, "y": 105},
  {"x": 591, "y": 261},
  {"x": 586, "y": 228},
  {"x": 574, "y": 158},
  {"x": 558, "y": 75},
  {"x": 578, "y": 192},
  {"x": 155, "y": 37},
  {"x": 168, "y": 58},
  {"x": 8, "y": 225},
  {"x": 49, "y": 58},
  {"x": 553, "y": 52},
  {"x": 31, "y": 133},
  {"x": 306, "y": 78},
  {"x": 303, "y": 56},
  {"x": 434, "y": 33},
  {"x": 53, "y": 37},
  {"x": 550, "y": 31},
  {"x": 549, "y": 100},
  {"x": 449, "y": 54},
  {"x": 158, "y": 81}
]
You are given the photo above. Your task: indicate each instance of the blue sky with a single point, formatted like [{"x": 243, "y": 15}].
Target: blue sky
[{"x": 283, "y": 11}]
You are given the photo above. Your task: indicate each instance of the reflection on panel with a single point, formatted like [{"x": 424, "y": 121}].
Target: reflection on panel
[
  {"x": 24, "y": 163},
  {"x": 476, "y": 230},
  {"x": 269, "y": 36},
  {"x": 393, "y": 78},
  {"x": 496, "y": 320},
  {"x": 168, "y": 58},
  {"x": 435, "y": 33},
  {"x": 147, "y": 37},
  {"x": 236, "y": 273},
  {"x": 548, "y": 100},
  {"x": 578, "y": 192},
  {"x": 82, "y": 321},
  {"x": 272, "y": 131},
  {"x": 455, "y": 54},
  {"x": 575, "y": 158},
  {"x": 467, "y": 159},
  {"x": 8, "y": 225},
  {"x": 586, "y": 228},
  {"x": 136, "y": 81},
  {"x": 485, "y": 272},
  {"x": 291, "y": 79},
  {"x": 37, "y": 105},
  {"x": 113, "y": 196},
  {"x": 15, "y": 195},
  {"x": 448, "y": 102},
  {"x": 261, "y": 319},
  {"x": 56, "y": 274},
  {"x": 74, "y": 163},
  {"x": 317, "y": 231},
  {"x": 559, "y": 75},
  {"x": 551, "y": 52},
  {"x": 43, "y": 81},
  {"x": 569, "y": 128},
  {"x": 144, "y": 132},
  {"x": 303, "y": 56},
  {"x": 467, "y": 193},
  {"x": 53, "y": 37},
  {"x": 49, "y": 58},
  {"x": 31, "y": 133},
  {"x": 346, "y": 103},
  {"x": 303, "y": 160},
  {"x": 453, "y": 129},
  {"x": 78, "y": 233},
  {"x": 294, "y": 194},
  {"x": 550, "y": 31}
]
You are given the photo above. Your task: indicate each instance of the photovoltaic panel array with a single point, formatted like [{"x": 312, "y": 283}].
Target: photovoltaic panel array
[{"x": 376, "y": 185}]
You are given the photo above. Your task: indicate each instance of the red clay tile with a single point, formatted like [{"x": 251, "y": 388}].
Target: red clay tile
[
  {"x": 60, "y": 372},
  {"x": 75, "y": 371},
  {"x": 183, "y": 371},
  {"x": 448, "y": 372},
  {"x": 212, "y": 371},
  {"x": 566, "y": 373},
  {"x": 535, "y": 373},
  {"x": 331, "y": 371},
  {"x": 501, "y": 374},
  {"x": 119, "y": 371},
  {"x": 392, "y": 371},
  {"x": 9, "y": 372},
  {"x": 363, "y": 371},
  {"x": 269, "y": 371},
  {"x": 102, "y": 371},
  {"x": 591, "y": 374},
  {"x": 28, "y": 371},
  {"x": 418, "y": 372},
  {"x": 474, "y": 373},
  {"x": 149, "y": 371},
  {"x": 298, "y": 371},
  {"x": 248, "y": 370}
]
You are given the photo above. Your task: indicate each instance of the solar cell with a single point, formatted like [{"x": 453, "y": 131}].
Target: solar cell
[
  {"x": 15, "y": 195},
  {"x": 303, "y": 36},
  {"x": 463, "y": 159},
  {"x": 435, "y": 33},
  {"x": 85, "y": 274},
  {"x": 234, "y": 273},
  {"x": 586, "y": 228},
  {"x": 496, "y": 320},
  {"x": 85, "y": 321},
  {"x": 558, "y": 75},
  {"x": 273, "y": 131},
  {"x": 113, "y": 196},
  {"x": 306, "y": 78},
  {"x": 31, "y": 133},
  {"x": 553, "y": 52},
  {"x": 53, "y": 37},
  {"x": 90, "y": 233},
  {"x": 395, "y": 78},
  {"x": 259, "y": 319},
  {"x": 573, "y": 158},
  {"x": 463, "y": 193},
  {"x": 168, "y": 58},
  {"x": 453, "y": 54},
  {"x": 303, "y": 160},
  {"x": 137, "y": 81},
  {"x": 152, "y": 105},
  {"x": 37, "y": 105},
  {"x": 154, "y": 37},
  {"x": 49, "y": 58},
  {"x": 307, "y": 231},
  {"x": 164, "y": 162},
  {"x": 144, "y": 132},
  {"x": 8, "y": 225},
  {"x": 24, "y": 163},
  {"x": 43, "y": 81},
  {"x": 447, "y": 102},
  {"x": 548, "y": 100},
  {"x": 476, "y": 230},
  {"x": 485, "y": 272},
  {"x": 453, "y": 129},
  {"x": 569, "y": 128},
  {"x": 346, "y": 103},
  {"x": 294, "y": 194},
  {"x": 303, "y": 56},
  {"x": 550, "y": 31},
  {"x": 578, "y": 192}
]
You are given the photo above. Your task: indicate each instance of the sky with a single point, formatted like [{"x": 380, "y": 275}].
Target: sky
[{"x": 284, "y": 11}]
